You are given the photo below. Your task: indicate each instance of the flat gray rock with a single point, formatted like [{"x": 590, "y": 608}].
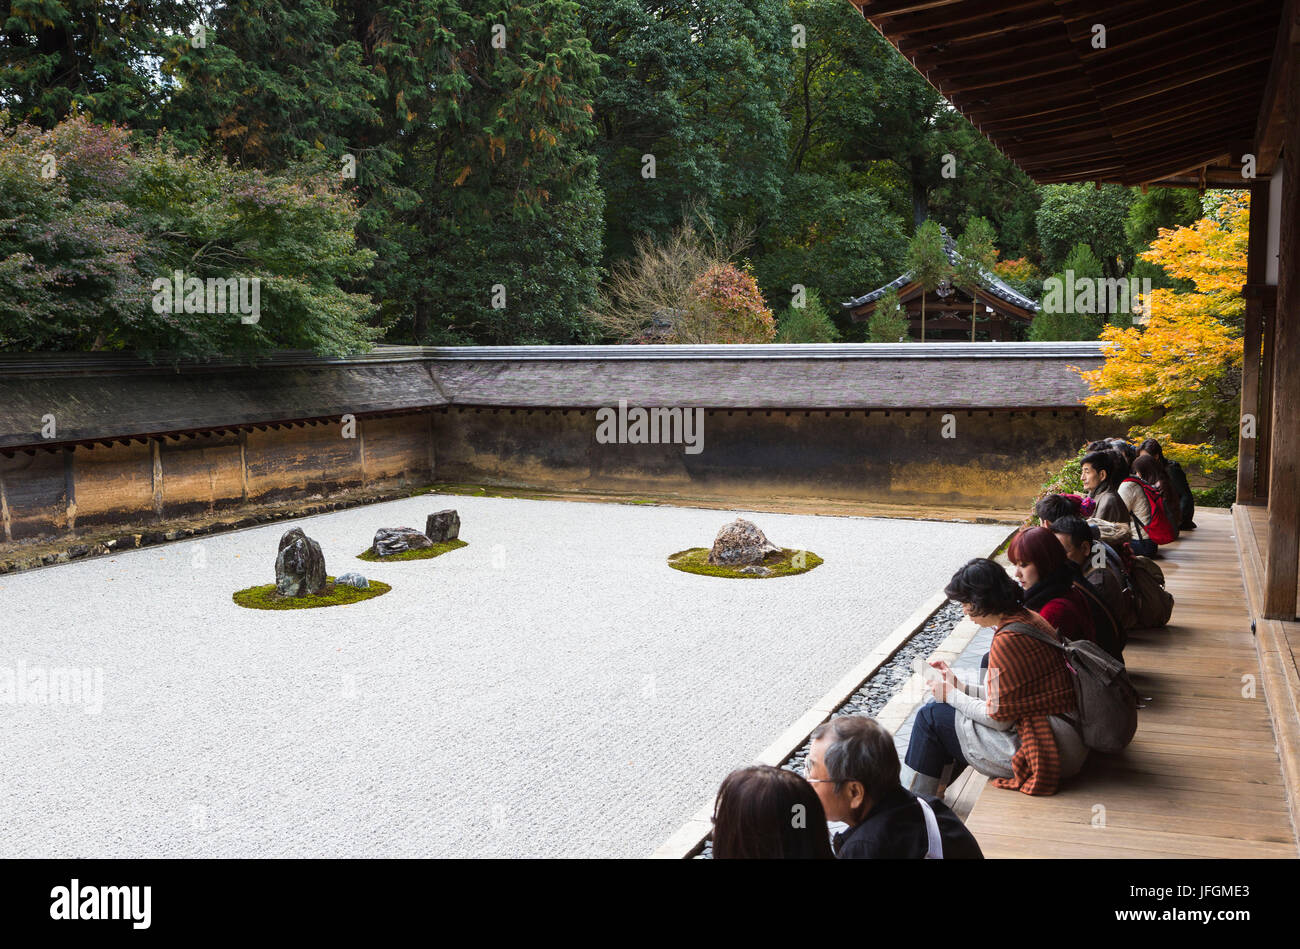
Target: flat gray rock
[{"x": 396, "y": 540}]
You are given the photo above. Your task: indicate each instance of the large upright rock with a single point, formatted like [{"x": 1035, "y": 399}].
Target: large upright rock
[
  {"x": 299, "y": 565},
  {"x": 442, "y": 526},
  {"x": 396, "y": 540},
  {"x": 740, "y": 542}
]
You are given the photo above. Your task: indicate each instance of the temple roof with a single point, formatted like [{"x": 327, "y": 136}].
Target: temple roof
[{"x": 988, "y": 281}]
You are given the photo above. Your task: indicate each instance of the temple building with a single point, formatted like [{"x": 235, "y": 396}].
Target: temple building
[{"x": 1001, "y": 313}]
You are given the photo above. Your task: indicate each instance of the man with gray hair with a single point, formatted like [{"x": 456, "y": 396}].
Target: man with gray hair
[{"x": 853, "y": 765}]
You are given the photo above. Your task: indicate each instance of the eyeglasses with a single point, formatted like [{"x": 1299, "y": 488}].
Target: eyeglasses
[{"x": 817, "y": 780}]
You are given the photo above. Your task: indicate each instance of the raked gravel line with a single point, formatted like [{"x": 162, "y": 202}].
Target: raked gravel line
[{"x": 553, "y": 689}]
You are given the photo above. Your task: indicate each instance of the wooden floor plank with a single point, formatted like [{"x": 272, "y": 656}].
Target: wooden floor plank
[{"x": 1202, "y": 778}]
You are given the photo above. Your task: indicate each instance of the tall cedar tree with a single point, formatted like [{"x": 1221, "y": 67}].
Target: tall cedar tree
[
  {"x": 976, "y": 255},
  {"x": 928, "y": 262},
  {"x": 696, "y": 88},
  {"x": 465, "y": 126}
]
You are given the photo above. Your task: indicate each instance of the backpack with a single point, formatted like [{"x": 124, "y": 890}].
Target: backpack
[
  {"x": 1159, "y": 530},
  {"x": 1111, "y": 639},
  {"x": 1107, "y": 701},
  {"x": 1146, "y": 581}
]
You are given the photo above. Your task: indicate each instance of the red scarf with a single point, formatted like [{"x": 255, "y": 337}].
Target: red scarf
[{"x": 1032, "y": 682}]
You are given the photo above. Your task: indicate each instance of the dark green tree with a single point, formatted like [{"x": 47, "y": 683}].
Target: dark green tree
[
  {"x": 688, "y": 111},
  {"x": 93, "y": 224},
  {"x": 888, "y": 321},
  {"x": 96, "y": 57},
  {"x": 1072, "y": 214},
  {"x": 976, "y": 255}
]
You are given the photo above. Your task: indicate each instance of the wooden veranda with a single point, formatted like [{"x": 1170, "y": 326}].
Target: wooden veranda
[
  {"x": 1195, "y": 93},
  {"x": 1203, "y": 777}
]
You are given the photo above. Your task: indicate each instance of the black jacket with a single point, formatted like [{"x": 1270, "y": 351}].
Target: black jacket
[
  {"x": 1186, "y": 503},
  {"x": 895, "y": 830},
  {"x": 1109, "y": 634}
]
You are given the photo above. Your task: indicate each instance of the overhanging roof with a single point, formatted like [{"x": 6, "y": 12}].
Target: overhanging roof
[{"x": 1173, "y": 97}]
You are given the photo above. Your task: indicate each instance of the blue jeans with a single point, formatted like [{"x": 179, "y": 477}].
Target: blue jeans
[
  {"x": 934, "y": 741},
  {"x": 1143, "y": 547}
]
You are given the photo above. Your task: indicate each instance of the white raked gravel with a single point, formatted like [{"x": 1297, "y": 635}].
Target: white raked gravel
[{"x": 553, "y": 689}]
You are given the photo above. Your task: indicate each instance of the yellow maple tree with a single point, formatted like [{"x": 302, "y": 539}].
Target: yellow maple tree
[{"x": 1178, "y": 378}]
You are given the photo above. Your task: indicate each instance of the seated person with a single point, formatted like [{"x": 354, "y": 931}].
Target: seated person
[
  {"x": 1044, "y": 572},
  {"x": 1158, "y": 476},
  {"x": 1015, "y": 730},
  {"x": 854, "y": 767},
  {"x": 1051, "y": 507},
  {"x": 1178, "y": 480},
  {"x": 1139, "y": 508},
  {"x": 1103, "y": 587},
  {"x": 1097, "y": 471},
  {"x": 1054, "y": 507},
  {"x": 769, "y": 813}
]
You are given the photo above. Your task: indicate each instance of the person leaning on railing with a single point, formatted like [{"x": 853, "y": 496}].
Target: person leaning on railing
[{"x": 1014, "y": 730}]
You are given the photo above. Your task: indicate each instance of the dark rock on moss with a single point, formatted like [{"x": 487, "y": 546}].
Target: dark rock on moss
[
  {"x": 299, "y": 565},
  {"x": 442, "y": 526}
]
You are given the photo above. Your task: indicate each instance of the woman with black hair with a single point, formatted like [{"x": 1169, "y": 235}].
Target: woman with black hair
[
  {"x": 766, "y": 813},
  {"x": 1013, "y": 729},
  {"x": 1185, "y": 508}
]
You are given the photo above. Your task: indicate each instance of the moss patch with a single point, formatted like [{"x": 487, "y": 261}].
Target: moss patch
[
  {"x": 265, "y": 597},
  {"x": 782, "y": 564},
  {"x": 423, "y": 554}
]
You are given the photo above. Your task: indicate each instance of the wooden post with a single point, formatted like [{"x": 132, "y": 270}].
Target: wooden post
[
  {"x": 1283, "y": 559},
  {"x": 70, "y": 486},
  {"x": 157, "y": 478},
  {"x": 4, "y": 512},
  {"x": 1264, "y": 443},
  {"x": 1256, "y": 259},
  {"x": 361, "y": 448}
]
